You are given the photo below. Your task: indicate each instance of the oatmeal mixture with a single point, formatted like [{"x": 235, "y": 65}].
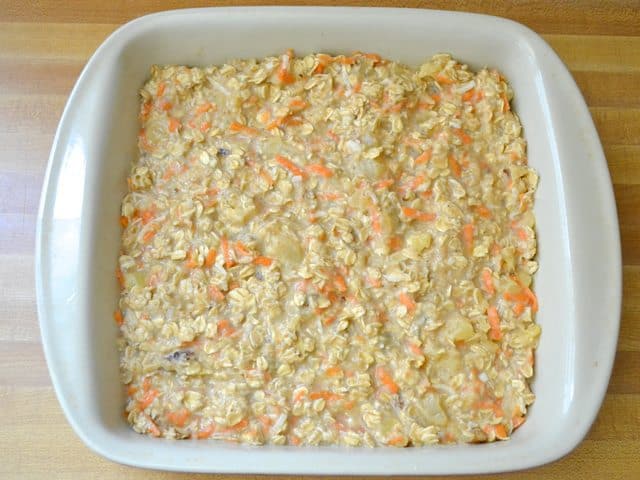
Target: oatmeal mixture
[{"x": 328, "y": 250}]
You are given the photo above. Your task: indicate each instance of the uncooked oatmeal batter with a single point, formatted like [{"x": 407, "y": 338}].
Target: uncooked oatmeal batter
[{"x": 328, "y": 250}]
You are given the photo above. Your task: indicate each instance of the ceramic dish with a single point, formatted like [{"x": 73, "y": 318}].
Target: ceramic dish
[{"x": 578, "y": 284}]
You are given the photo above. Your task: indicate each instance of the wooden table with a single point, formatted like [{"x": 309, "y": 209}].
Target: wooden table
[{"x": 43, "y": 47}]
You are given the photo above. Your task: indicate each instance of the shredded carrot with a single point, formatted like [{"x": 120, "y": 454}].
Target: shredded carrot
[
  {"x": 407, "y": 301},
  {"x": 340, "y": 283},
  {"x": 131, "y": 390},
  {"x": 165, "y": 106},
  {"x": 242, "y": 249},
  {"x": 483, "y": 211},
  {"x": 397, "y": 107},
  {"x": 455, "y": 166},
  {"x": 386, "y": 380},
  {"x": 178, "y": 418},
  {"x": 289, "y": 165},
  {"x": 323, "y": 61},
  {"x": 120, "y": 277},
  {"x": 263, "y": 261},
  {"x": 329, "y": 320},
  {"x": 333, "y": 371},
  {"x": 160, "y": 90},
  {"x": 241, "y": 425},
  {"x": 533, "y": 300},
  {"x": 205, "y": 126},
  {"x": 415, "y": 349},
  {"x": 467, "y": 235},
  {"x": 384, "y": 184},
  {"x": 494, "y": 322},
  {"x": 412, "y": 213},
  {"x": 263, "y": 116},
  {"x": 191, "y": 262},
  {"x": 320, "y": 169},
  {"x": 374, "y": 57},
  {"x": 424, "y": 157},
  {"x": 284, "y": 75},
  {"x": 347, "y": 60},
  {"x": 147, "y": 398},
  {"x": 518, "y": 309},
  {"x": 226, "y": 252},
  {"x": 207, "y": 432},
  {"x": 328, "y": 396},
  {"x": 415, "y": 183},
  {"x": 215, "y": 293},
  {"x": 205, "y": 107},
  {"x": 395, "y": 242},
  {"x": 225, "y": 328},
  {"x": 298, "y": 104},
  {"x": 148, "y": 235},
  {"x": 239, "y": 128},
  {"x": 117, "y": 316},
  {"x": 266, "y": 177},
  {"x": 487, "y": 281},
  {"x": 444, "y": 80},
  {"x": 501, "y": 433},
  {"x": 211, "y": 258},
  {"x": 463, "y": 136},
  {"x": 517, "y": 420},
  {"x": 505, "y": 103},
  {"x": 375, "y": 219},
  {"x": 124, "y": 221},
  {"x": 145, "y": 110},
  {"x": 397, "y": 441},
  {"x": 173, "y": 124},
  {"x": 468, "y": 95}
]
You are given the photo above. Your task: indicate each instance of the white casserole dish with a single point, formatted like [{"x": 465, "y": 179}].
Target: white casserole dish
[{"x": 578, "y": 284}]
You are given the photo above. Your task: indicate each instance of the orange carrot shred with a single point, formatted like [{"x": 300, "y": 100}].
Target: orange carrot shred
[
  {"x": 289, "y": 165},
  {"x": 148, "y": 235},
  {"x": 124, "y": 221},
  {"x": 319, "y": 169},
  {"x": 178, "y": 418},
  {"x": 417, "y": 214},
  {"x": 487, "y": 282},
  {"x": 263, "y": 261},
  {"x": 383, "y": 184},
  {"x": 467, "y": 235},
  {"x": 211, "y": 258},
  {"x": 225, "y": 328},
  {"x": 424, "y": 157},
  {"x": 215, "y": 293},
  {"x": 207, "y": 432},
  {"x": 501, "y": 433},
  {"x": 455, "y": 166},
  {"x": 173, "y": 124},
  {"x": 226, "y": 253},
  {"x": 407, "y": 301},
  {"x": 117, "y": 316},
  {"x": 494, "y": 322},
  {"x": 386, "y": 380}
]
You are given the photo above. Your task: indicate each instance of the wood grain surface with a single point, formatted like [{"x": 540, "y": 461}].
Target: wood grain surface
[{"x": 43, "y": 47}]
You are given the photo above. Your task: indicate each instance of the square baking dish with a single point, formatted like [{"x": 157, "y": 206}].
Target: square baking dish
[{"x": 578, "y": 284}]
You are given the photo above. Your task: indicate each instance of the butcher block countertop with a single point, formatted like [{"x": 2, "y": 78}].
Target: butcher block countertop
[{"x": 43, "y": 47}]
